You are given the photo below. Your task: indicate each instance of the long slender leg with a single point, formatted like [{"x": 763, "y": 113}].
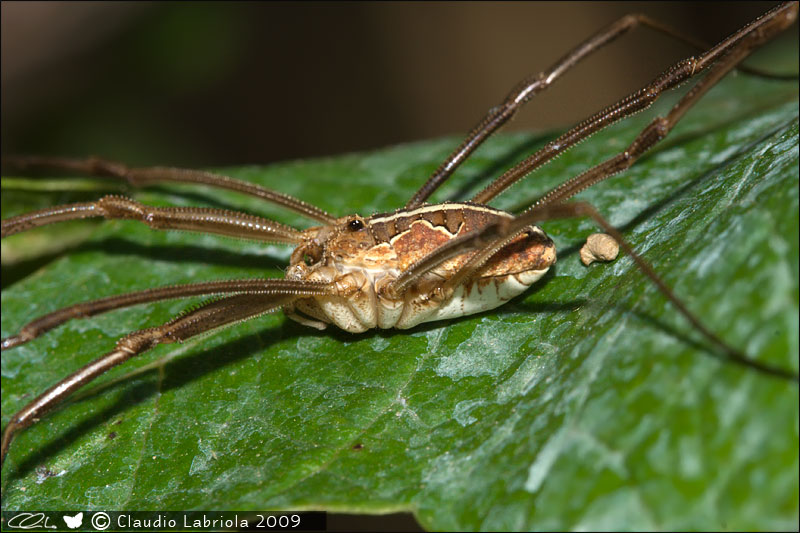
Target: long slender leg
[
  {"x": 142, "y": 177},
  {"x": 525, "y": 90},
  {"x": 647, "y": 138},
  {"x": 749, "y": 37},
  {"x": 213, "y": 315},
  {"x": 209, "y": 220},
  {"x": 658, "y": 128},
  {"x": 583, "y": 209},
  {"x": 45, "y": 323}
]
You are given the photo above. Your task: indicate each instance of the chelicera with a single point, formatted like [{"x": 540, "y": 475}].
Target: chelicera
[{"x": 421, "y": 263}]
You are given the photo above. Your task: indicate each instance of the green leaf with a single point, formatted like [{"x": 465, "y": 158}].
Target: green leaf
[{"x": 586, "y": 403}]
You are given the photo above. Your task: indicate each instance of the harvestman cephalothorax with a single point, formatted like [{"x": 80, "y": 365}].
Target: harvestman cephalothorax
[{"x": 421, "y": 263}]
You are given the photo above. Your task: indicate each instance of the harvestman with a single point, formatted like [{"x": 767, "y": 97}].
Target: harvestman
[{"x": 421, "y": 263}]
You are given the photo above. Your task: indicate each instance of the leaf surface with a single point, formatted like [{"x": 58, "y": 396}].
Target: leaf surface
[{"x": 586, "y": 403}]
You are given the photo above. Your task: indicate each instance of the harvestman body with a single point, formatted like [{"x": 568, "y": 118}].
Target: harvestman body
[
  {"x": 418, "y": 264},
  {"x": 365, "y": 259}
]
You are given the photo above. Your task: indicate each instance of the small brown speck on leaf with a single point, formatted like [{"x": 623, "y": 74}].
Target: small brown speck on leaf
[{"x": 599, "y": 247}]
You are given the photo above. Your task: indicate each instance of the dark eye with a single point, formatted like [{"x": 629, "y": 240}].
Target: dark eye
[{"x": 355, "y": 225}]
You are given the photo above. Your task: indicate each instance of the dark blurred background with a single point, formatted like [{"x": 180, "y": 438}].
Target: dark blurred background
[{"x": 227, "y": 83}]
